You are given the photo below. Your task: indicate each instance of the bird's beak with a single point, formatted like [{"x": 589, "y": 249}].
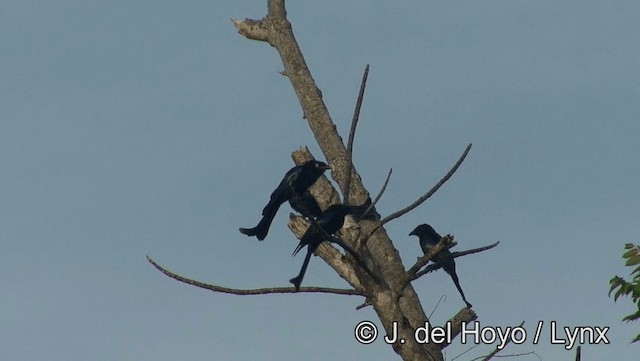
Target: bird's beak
[
  {"x": 326, "y": 167},
  {"x": 413, "y": 233}
]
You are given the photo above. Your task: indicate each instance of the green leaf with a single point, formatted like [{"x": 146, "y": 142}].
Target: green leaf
[
  {"x": 632, "y": 261},
  {"x": 632, "y": 252},
  {"x": 632, "y": 317},
  {"x": 620, "y": 287},
  {"x": 615, "y": 282}
]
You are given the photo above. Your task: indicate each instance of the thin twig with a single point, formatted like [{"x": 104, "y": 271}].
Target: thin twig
[
  {"x": 464, "y": 352},
  {"x": 442, "y": 298},
  {"x": 384, "y": 187},
  {"x": 258, "y": 291},
  {"x": 514, "y": 355},
  {"x": 427, "y": 195},
  {"x": 494, "y": 352},
  {"x": 352, "y": 133},
  {"x": 434, "y": 266},
  {"x": 363, "y": 305},
  {"x": 420, "y": 200}
]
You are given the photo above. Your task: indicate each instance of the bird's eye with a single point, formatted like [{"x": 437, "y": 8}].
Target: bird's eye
[{"x": 317, "y": 165}]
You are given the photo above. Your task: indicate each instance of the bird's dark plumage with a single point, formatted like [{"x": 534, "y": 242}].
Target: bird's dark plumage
[
  {"x": 306, "y": 205},
  {"x": 428, "y": 239},
  {"x": 293, "y": 188},
  {"x": 327, "y": 224}
]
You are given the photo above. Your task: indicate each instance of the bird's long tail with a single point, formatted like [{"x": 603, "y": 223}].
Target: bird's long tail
[
  {"x": 456, "y": 281},
  {"x": 268, "y": 213},
  {"x": 297, "y": 280},
  {"x": 298, "y": 248}
]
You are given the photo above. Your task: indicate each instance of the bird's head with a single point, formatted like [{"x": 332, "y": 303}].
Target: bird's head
[
  {"x": 425, "y": 230},
  {"x": 318, "y": 165}
]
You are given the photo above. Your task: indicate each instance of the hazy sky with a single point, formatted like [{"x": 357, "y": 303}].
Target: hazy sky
[{"x": 133, "y": 128}]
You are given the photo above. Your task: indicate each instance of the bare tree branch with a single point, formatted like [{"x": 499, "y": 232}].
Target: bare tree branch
[
  {"x": 258, "y": 291},
  {"x": 465, "y": 315},
  {"x": 434, "y": 266},
  {"x": 352, "y": 133},
  {"x": 366, "y": 303},
  {"x": 427, "y": 195},
  {"x": 252, "y": 29}
]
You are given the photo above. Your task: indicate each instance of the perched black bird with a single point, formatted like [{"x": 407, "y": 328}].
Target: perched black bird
[
  {"x": 323, "y": 228},
  {"x": 428, "y": 239},
  {"x": 306, "y": 205},
  {"x": 293, "y": 188}
]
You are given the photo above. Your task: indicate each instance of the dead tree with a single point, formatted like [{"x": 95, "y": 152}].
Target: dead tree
[{"x": 385, "y": 284}]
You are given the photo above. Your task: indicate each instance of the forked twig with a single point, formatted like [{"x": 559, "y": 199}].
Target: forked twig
[
  {"x": 257, "y": 291},
  {"x": 352, "y": 133}
]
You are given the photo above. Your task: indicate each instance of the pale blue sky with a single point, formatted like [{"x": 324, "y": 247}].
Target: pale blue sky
[{"x": 133, "y": 128}]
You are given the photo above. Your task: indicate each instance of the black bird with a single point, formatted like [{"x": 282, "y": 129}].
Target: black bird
[
  {"x": 323, "y": 228},
  {"x": 293, "y": 186},
  {"x": 428, "y": 239},
  {"x": 306, "y": 205}
]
